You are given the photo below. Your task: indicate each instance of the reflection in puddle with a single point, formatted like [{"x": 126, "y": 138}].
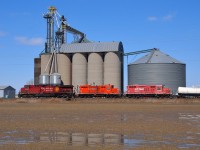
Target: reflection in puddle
[
  {"x": 73, "y": 139},
  {"x": 83, "y": 139},
  {"x": 80, "y": 139},
  {"x": 188, "y": 145},
  {"x": 133, "y": 142},
  {"x": 192, "y": 119},
  {"x": 189, "y": 116},
  {"x": 190, "y": 140}
]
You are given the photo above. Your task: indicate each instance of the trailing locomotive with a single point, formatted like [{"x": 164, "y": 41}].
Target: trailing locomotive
[
  {"x": 136, "y": 90},
  {"x": 65, "y": 91},
  {"x": 98, "y": 91}
]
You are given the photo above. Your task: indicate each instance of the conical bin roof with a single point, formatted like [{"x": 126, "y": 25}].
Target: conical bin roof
[{"x": 156, "y": 56}]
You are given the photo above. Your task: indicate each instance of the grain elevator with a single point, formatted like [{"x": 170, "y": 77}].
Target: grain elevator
[{"x": 78, "y": 63}]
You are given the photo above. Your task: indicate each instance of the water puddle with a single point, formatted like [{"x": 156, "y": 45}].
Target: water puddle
[
  {"x": 192, "y": 119},
  {"x": 185, "y": 145},
  {"x": 83, "y": 139},
  {"x": 189, "y": 116}
]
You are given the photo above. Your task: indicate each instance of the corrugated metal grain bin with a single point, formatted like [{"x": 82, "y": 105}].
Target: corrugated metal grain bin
[
  {"x": 79, "y": 69},
  {"x": 65, "y": 68},
  {"x": 158, "y": 68},
  {"x": 44, "y": 79},
  {"x": 55, "y": 79},
  {"x": 112, "y": 69},
  {"x": 95, "y": 69}
]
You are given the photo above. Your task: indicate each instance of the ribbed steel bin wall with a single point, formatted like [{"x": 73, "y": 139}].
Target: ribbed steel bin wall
[
  {"x": 44, "y": 61},
  {"x": 55, "y": 79},
  {"x": 44, "y": 79},
  {"x": 170, "y": 75},
  {"x": 79, "y": 69},
  {"x": 112, "y": 70},
  {"x": 95, "y": 69},
  {"x": 65, "y": 68}
]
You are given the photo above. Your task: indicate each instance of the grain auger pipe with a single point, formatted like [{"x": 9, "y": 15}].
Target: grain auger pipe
[
  {"x": 140, "y": 52},
  {"x": 66, "y": 27}
]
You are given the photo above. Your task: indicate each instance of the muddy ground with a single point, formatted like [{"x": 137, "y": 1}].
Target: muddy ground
[{"x": 141, "y": 124}]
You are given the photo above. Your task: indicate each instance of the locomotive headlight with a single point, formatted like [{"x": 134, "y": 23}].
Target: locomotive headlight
[{"x": 56, "y": 89}]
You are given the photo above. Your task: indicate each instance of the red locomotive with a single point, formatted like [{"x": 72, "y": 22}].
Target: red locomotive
[
  {"x": 65, "y": 91},
  {"x": 108, "y": 90},
  {"x": 98, "y": 91},
  {"x": 147, "y": 91}
]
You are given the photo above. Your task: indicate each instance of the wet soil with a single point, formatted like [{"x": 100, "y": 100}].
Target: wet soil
[{"x": 100, "y": 124}]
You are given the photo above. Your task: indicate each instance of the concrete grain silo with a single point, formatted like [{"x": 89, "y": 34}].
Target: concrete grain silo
[
  {"x": 158, "y": 68},
  {"x": 113, "y": 69},
  {"x": 44, "y": 61},
  {"x": 79, "y": 69},
  {"x": 95, "y": 69},
  {"x": 65, "y": 68},
  {"x": 37, "y": 70},
  {"x": 91, "y": 63}
]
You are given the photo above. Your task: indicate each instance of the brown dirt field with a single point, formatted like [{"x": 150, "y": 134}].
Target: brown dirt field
[{"x": 141, "y": 124}]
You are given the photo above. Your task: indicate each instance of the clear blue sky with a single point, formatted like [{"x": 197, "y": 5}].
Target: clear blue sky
[{"x": 173, "y": 26}]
